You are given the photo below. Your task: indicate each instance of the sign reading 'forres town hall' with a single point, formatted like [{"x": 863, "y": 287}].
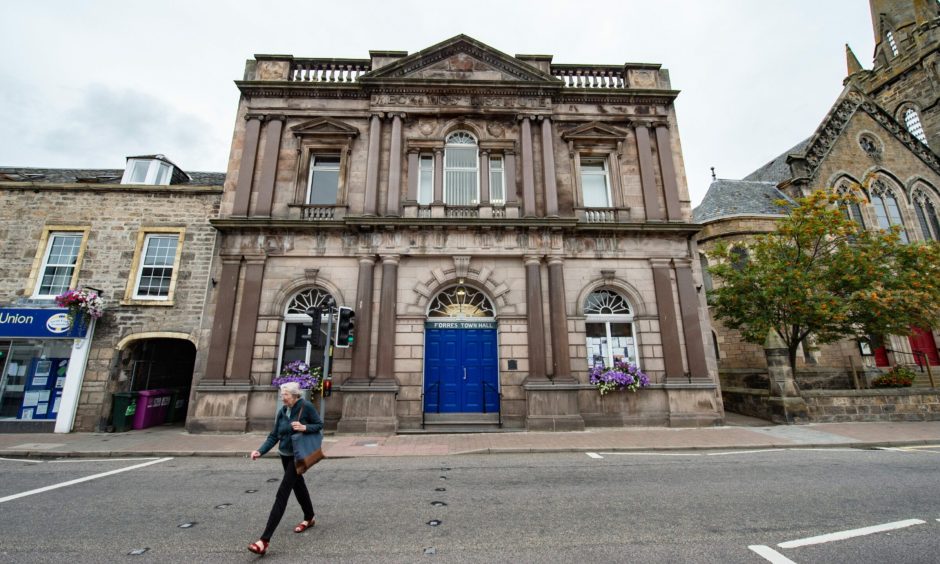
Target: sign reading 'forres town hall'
[{"x": 500, "y": 224}]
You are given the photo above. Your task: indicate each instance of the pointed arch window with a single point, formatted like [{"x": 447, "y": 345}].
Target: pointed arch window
[
  {"x": 609, "y": 329},
  {"x": 851, "y": 208},
  {"x": 461, "y": 170},
  {"x": 461, "y": 301},
  {"x": 912, "y": 122},
  {"x": 886, "y": 209},
  {"x": 293, "y": 346},
  {"x": 927, "y": 217}
]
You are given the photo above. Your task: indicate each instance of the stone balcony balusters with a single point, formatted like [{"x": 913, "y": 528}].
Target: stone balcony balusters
[{"x": 328, "y": 70}]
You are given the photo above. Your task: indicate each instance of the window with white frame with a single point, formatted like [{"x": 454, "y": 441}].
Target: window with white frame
[
  {"x": 425, "y": 179},
  {"x": 609, "y": 329},
  {"x": 892, "y": 43},
  {"x": 147, "y": 171},
  {"x": 595, "y": 183},
  {"x": 58, "y": 263},
  {"x": 323, "y": 180},
  {"x": 497, "y": 180},
  {"x": 887, "y": 210},
  {"x": 156, "y": 268},
  {"x": 912, "y": 122},
  {"x": 293, "y": 345},
  {"x": 926, "y": 213},
  {"x": 461, "y": 170}
]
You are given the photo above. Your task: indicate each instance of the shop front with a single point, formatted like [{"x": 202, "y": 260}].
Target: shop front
[{"x": 43, "y": 352}]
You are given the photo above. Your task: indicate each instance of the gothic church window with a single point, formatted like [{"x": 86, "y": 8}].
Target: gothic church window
[
  {"x": 912, "y": 122},
  {"x": 461, "y": 170},
  {"x": 892, "y": 43},
  {"x": 927, "y": 217},
  {"x": 851, "y": 208},
  {"x": 886, "y": 209},
  {"x": 609, "y": 330}
]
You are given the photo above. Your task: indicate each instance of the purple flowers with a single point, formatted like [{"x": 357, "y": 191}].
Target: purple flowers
[
  {"x": 623, "y": 376},
  {"x": 81, "y": 300},
  {"x": 299, "y": 371}
]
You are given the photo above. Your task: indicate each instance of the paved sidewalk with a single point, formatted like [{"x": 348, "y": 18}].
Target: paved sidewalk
[{"x": 742, "y": 433}]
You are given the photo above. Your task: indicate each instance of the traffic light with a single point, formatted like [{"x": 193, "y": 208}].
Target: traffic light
[
  {"x": 345, "y": 328},
  {"x": 313, "y": 328},
  {"x": 327, "y": 387}
]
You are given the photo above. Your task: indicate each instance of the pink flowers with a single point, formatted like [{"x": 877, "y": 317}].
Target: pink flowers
[{"x": 81, "y": 301}]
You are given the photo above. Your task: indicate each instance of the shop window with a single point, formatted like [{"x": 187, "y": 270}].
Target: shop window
[
  {"x": 425, "y": 179},
  {"x": 497, "y": 180},
  {"x": 61, "y": 256},
  {"x": 155, "y": 268},
  {"x": 323, "y": 184},
  {"x": 32, "y": 377},
  {"x": 609, "y": 329},
  {"x": 886, "y": 209},
  {"x": 595, "y": 183},
  {"x": 461, "y": 170}
]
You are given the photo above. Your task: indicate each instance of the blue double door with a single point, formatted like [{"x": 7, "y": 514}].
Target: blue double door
[{"x": 461, "y": 371}]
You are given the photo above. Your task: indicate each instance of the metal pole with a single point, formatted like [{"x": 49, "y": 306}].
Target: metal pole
[
  {"x": 929, "y": 372},
  {"x": 327, "y": 353}
]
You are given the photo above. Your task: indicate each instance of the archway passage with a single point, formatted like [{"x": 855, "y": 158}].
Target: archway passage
[
  {"x": 162, "y": 364},
  {"x": 461, "y": 365}
]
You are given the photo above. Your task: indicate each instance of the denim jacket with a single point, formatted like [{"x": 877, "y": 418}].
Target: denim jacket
[{"x": 281, "y": 434}]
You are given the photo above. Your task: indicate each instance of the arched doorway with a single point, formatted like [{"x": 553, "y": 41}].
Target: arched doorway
[
  {"x": 461, "y": 363},
  {"x": 162, "y": 365}
]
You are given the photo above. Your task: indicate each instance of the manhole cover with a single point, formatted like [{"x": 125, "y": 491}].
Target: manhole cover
[
  {"x": 137, "y": 551},
  {"x": 223, "y": 505},
  {"x": 440, "y": 489},
  {"x": 430, "y": 550},
  {"x": 186, "y": 525},
  {"x": 251, "y": 491},
  {"x": 434, "y": 522},
  {"x": 438, "y": 503}
]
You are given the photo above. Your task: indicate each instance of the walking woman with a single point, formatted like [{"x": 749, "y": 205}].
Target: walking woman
[{"x": 297, "y": 415}]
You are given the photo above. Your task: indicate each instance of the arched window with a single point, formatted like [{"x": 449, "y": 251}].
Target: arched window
[
  {"x": 851, "y": 209},
  {"x": 912, "y": 122},
  {"x": 461, "y": 170},
  {"x": 892, "y": 43},
  {"x": 293, "y": 346},
  {"x": 927, "y": 217},
  {"x": 886, "y": 208},
  {"x": 608, "y": 325},
  {"x": 461, "y": 301}
]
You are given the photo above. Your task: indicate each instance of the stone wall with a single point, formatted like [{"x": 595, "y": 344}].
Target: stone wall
[{"x": 838, "y": 406}]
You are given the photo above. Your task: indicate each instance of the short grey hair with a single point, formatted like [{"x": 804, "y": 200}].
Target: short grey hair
[{"x": 292, "y": 388}]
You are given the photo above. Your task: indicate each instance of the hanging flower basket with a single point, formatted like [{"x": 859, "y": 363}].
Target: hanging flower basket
[
  {"x": 82, "y": 305},
  {"x": 623, "y": 376},
  {"x": 307, "y": 377}
]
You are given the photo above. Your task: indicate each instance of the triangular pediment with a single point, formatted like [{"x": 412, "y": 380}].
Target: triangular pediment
[
  {"x": 325, "y": 127},
  {"x": 459, "y": 58},
  {"x": 595, "y": 131}
]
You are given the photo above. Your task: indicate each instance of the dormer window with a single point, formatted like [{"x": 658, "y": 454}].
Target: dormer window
[
  {"x": 147, "y": 171},
  {"x": 893, "y": 44}
]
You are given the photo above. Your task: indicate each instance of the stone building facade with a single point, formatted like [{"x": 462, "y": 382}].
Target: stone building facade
[
  {"x": 142, "y": 238},
  {"x": 870, "y": 144},
  {"x": 499, "y": 224}
]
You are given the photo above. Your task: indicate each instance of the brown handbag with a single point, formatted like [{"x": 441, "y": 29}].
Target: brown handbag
[{"x": 307, "y": 448}]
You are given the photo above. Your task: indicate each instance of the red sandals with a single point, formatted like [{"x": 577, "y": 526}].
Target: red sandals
[
  {"x": 304, "y": 525},
  {"x": 259, "y": 547}
]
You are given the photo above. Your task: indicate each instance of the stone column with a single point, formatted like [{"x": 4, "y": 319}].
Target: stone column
[
  {"x": 410, "y": 207},
  {"x": 647, "y": 180},
  {"x": 528, "y": 170},
  {"x": 372, "y": 165},
  {"x": 534, "y": 318},
  {"x": 561, "y": 355},
  {"x": 486, "y": 208},
  {"x": 385, "y": 361},
  {"x": 668, "y": 169},
  {"x": 272, "y": 147},
  {"x": 668, "y": 326},
  {"x": 247, "y": 320},
  {"x": 512, "y": 198},
  {"x": 222, "y": 320},
  {"x": 360, "y": 359},
  {"x": 394, "y": 168},
  {"x": 691, "y": 322},
  {"x": 437, "y": 205},
  {"x": 548, "y": 169},
  {"x": 246, "y": 167}
]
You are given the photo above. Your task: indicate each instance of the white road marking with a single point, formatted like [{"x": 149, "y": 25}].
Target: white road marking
[
  {"x": 23, "y": 460},
  {"x": 100, "y": 460},
  {"x": 770, "y": 554},
  {"x": 649, "y": 454},
  {"x": 842, "y": 535},
  {"x": 80, "y": 480},
  {"x": 594, "y": 455},
  {"x": 742, "y": 452}
]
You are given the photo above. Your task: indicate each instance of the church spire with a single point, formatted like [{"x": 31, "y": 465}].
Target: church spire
[{"x": 851, "y": 61}]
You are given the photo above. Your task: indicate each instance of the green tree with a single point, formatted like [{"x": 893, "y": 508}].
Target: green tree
[{"x": 821, "y": 274}]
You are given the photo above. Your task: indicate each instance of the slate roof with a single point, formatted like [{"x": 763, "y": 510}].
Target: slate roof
[
  {"x": 777, "y": 170},
  {"x": 94, "y": 176},
  {"x": 727, "y": 198}
]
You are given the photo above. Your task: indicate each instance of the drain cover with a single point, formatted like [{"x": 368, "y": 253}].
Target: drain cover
[
  {"x": 440, "y": 489},
  {"x": 434, "y": 522},
  {"x": 186, "y": 525},
  {"x": 223, "y": 505},
  {"x": 137, "y": 551},
  {"x": 443, "y": 477},
  {"x": 438, "y": 503},
  {"x": 430, "y": 550},
  {"x": 251, "y": 491},
  {"x": 272, "y": 480}
]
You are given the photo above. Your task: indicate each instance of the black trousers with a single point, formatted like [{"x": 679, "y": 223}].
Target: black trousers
[{"x": 290, "y": 482}]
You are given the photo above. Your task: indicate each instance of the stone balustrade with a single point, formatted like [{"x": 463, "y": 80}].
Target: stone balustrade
[
  {"x": 590, "y": 76},
  {"x": 328, "y": 70}
]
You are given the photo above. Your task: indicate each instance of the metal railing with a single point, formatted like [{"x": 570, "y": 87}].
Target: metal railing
[
  {"x": 424, "y": 410},
  {"x": 499, "y": 396}
]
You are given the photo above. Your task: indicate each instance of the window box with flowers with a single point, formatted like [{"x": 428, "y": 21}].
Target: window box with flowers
[
  {"x": 309, "y": 378},
  {"x": 83, "y": 304},
  {"x": 623, "y": 376},
  {"x": 897, "y": 377}
]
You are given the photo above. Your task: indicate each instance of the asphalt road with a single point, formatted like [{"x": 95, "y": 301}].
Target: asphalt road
[{"x": 573, "y": 507}]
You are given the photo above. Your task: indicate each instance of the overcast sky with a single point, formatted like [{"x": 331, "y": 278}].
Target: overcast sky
[{"x": 85, "y": 84}]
